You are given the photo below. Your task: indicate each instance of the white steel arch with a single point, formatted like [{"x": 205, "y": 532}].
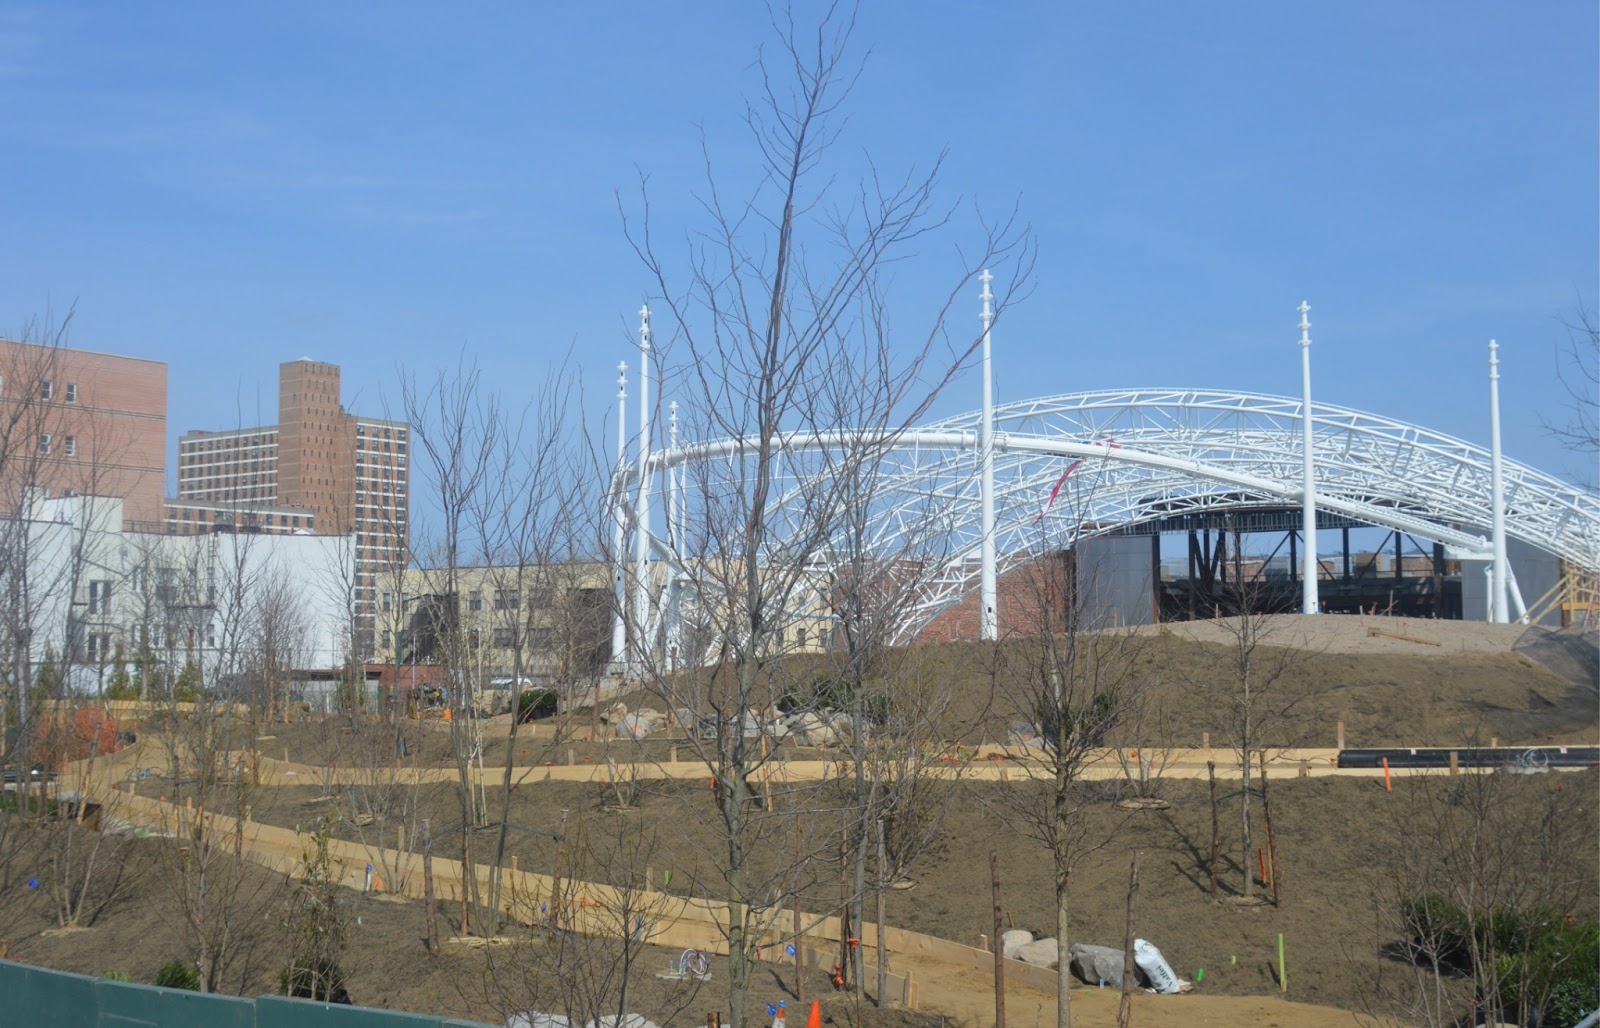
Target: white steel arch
[{"x": 1143, "y": 454}]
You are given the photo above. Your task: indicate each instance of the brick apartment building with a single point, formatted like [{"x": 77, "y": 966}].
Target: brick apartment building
[
  {"x": 319, "y": 470},
  {"x": 76, "y": 422}
]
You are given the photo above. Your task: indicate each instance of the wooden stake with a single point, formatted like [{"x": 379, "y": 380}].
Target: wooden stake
[
  {"x": 999, "y": 950},
  {"x": 1125, "y": 1007},
  {"x": 1455, "y": 763},
  {"x": 1340, "y": 733},
  {"x": 1205, "y": 743},
  {"x": 432, "y": 913},
  {"x": 1388, "y": 786},
  {"x": 1273, "y": 878},
  {"x": 1216, "y": 826}
]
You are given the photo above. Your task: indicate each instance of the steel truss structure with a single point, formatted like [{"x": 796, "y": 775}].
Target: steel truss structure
[{"x": 1134, "y": 456}]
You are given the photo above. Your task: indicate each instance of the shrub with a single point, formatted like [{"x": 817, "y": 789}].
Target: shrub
[
  {"x": 117, "y": 976},
  {"x": 536, "y": 704},
  {"x": 1543, "y": 962},
  {"x": 175, "y": 974},
  {"x": 319, "y": 979}
]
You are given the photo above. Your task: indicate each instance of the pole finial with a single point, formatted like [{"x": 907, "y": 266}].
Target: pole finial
[
  {"x": 622, "y": 379},
  {"x": 1305, "y": 324},
  {"x": 644, "y": 327},
  {"x": 987, "y": 296}
]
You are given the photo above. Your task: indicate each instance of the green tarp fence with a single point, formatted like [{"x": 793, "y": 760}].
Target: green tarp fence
[{"x": 41, "y": 998}]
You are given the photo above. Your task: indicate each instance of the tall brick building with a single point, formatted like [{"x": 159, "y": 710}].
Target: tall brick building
[
  {"x": 72, "y": 421},
  {"x": 319, "y": 469}
]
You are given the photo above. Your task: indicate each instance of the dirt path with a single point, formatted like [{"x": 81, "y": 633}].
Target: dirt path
[
  {"x": 967, "y": 997},
  {"x": 960, "y": 992}
]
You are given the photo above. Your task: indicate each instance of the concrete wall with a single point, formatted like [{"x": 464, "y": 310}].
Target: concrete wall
[
  {"x": 1536, "y": 573},
  {"x": 1115, "y": 576}
]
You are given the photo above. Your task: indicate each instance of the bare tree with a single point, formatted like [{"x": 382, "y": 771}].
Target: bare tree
[
  {"x": 784, "y": 336},
  {"x": 1253, "y": 700},
  {"x": 1578, "y": 370},
  {"x": 1071, "y": 679},
  {"x": 1490, "y": 886}
]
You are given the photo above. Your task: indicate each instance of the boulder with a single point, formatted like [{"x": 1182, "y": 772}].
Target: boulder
[
  {"x": 1014, "y": 940},
  {"x": 1039, "y": 953},
  {"x": 1095, "y": 965}
]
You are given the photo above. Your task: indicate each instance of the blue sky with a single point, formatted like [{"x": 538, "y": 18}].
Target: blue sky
[{"x": 226, "y": 186}]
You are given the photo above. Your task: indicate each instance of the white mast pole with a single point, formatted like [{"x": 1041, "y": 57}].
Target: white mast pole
[
  {"x": 641, "y": 528},
  {"x": 672, "y": 479},
  {"x": 674, "y": 526},
  {"x": 989, "y": 620},
  {"x": 1497, "y": 579},
  {"x": 1308, "y": 485},
  {"x": 619, "y": 536}
]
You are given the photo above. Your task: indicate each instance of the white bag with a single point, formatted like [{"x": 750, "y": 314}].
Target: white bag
[{"x": 1155, "y": 967}]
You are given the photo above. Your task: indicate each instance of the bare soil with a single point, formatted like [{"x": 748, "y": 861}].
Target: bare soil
[{"x": 1337, "y": 838}]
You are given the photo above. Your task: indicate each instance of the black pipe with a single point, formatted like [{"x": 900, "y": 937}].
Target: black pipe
[{"x": 1511, "y": 756}]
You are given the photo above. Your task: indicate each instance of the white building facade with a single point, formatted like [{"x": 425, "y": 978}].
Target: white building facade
[{"x": 86, "y": 594}]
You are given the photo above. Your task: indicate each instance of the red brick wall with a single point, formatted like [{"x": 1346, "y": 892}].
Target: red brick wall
[
  {"x": 118, "y": 425},
  {"x": 1022, "y": 597}
]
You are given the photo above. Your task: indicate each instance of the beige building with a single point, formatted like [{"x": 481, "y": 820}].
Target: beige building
[{"x": 549, "y": 623}]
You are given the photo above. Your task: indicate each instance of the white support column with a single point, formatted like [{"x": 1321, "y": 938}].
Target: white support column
[
  {"x": 671, "y": 512},
  {"x": 619, "y": 532},
  {"x": 671, "y": 607},
  {"x": 988, "y": 615},
  {"x": 1308, "y": 481},
  {"x": 1497, "y": 577},
  {"x": 641, "y": 528}
]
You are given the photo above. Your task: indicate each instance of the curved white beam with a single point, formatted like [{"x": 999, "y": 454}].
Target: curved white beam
[{"x": 1190, "y": 448}]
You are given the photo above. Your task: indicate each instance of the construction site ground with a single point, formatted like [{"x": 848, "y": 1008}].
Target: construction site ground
[{"x": 1335, "y": 869}]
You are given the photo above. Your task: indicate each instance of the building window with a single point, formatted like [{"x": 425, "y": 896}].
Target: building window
[
  {"x": 388, "y": 602},
  {"x": 72, "y": 392},
  {"x": 47, "y": 389},
  {"x": 800, "y": 636},
  {"x": 502, "y": 638},
  {"x": 44, "y": 442},
  {"x": 507, "y": 599},
  {"x": 100, "y": 597},
  {"x": 388, "y": 639},
  {"x": 475, "y": 600},
  {"x": 474, "y": 639},
  {"x": 99, "y": 648},
  {"x": 71, "y": 445}
]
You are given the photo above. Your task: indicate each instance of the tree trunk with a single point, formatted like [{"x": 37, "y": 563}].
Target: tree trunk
[
  {"x": 883, "y": 950},
  {"x": 432, "y": 910},
  {"x": 1244, "y": 825},
  {"x": 1216, "y": 825},
  {"x": 1125, "y": 1006},
  {"x": 1063, "y": 979},
  {"x": 999, "y": 950}
]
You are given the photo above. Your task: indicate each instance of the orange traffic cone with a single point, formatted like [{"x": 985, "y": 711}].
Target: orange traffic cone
[{"x": 814, "y": 1020}]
